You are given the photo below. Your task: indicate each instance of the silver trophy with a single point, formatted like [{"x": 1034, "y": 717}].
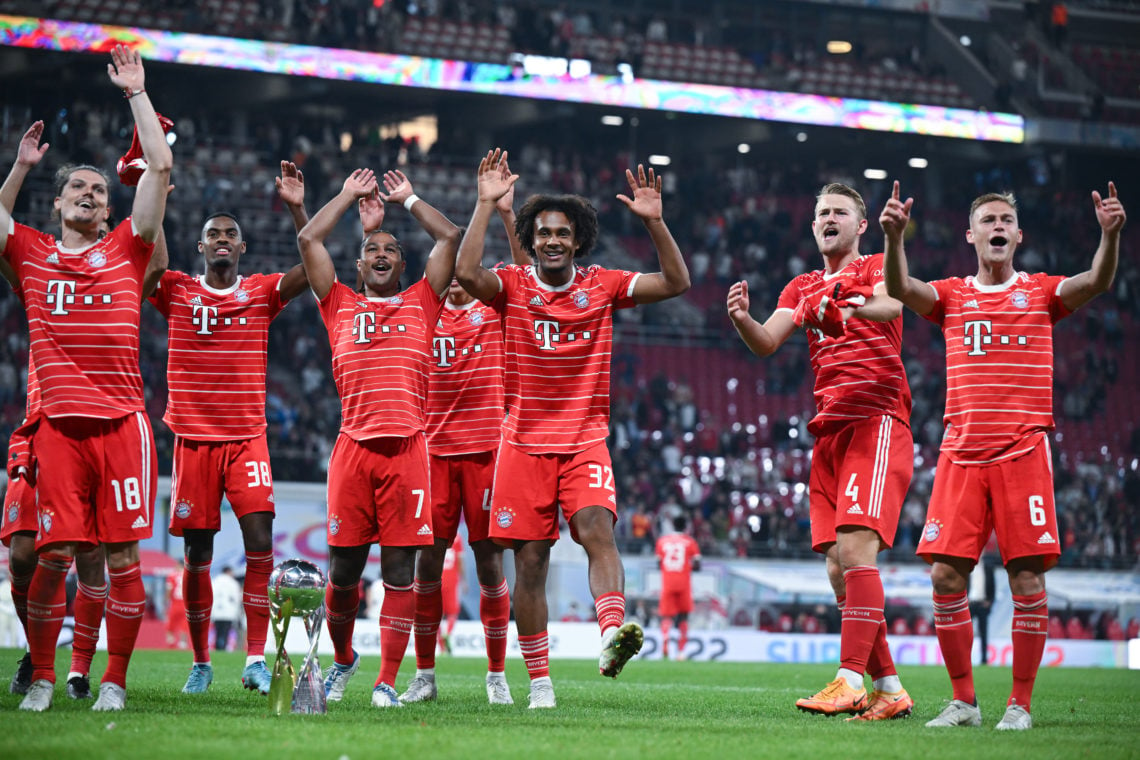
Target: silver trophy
[{"x": 297, "y": 589}]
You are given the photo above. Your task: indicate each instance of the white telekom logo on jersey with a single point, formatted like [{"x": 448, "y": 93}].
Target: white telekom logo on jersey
[
  {"x": 203, "y": 317},
  {"x": 546, "y": 333},
  {"x": 363, "y": 325},
  {"x": 978, "y": 333},
  {"x": 60, "y": 293},
  {"x": 444, "y": 350}
]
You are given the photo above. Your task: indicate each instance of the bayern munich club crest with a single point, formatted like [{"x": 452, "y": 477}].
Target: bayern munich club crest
[
  {"x": 932, "y": 531},
  {"x": 505, "y": 518},
  {"x": 334, "y": 525},
  {"x": 45, "y": 521},
  {"x": 96, "y": 259},
  {"x": 475, "y": 317},
  {"x": 183, "y": 509},
  {"x": 13, "y": 512},
  {"x": 581, "y": 300},
  {"x": 241, "y": 296},
  {"x": 1019, "y": 299}
]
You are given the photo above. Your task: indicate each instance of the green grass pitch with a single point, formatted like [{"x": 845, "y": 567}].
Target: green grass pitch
[{"x": 655, "y": 710}]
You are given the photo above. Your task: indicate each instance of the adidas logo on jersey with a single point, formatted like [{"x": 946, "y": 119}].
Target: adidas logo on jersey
[
  {"x": 536, "y": 301},
  {"x": 140, "y": 522},
  {"x": 196, "y": 300},
  {"x": 854, "y": 509},
  {"x": 971, "y": 304},
  {"x": 425, "y": 530},
  {"x": 53, "y": 258},
  {"x": 1046, "y": 539}
]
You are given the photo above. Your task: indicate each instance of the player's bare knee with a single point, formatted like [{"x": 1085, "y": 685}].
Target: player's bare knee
[{"x": 947, "y": 578}]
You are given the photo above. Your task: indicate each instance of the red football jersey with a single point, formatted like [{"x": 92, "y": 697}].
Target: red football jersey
[
  {"x": 860, "y": 375},
  {"x": 83, "y": 319},
  {"x": 676, "y": 551},
  {"x": 558, "y": 346},
  {"x": 381, "y": 356},
  {"x": 999, "y": 364},
  {"x": 465, "y": 402},
  {"x": 216, "y": 354}
]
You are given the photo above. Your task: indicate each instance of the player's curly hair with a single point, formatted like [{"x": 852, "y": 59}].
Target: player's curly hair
[
  {"x": 582, "y": 215},
  {"x": 982, "y": 200},
  {"x": 838, "y": 188}
]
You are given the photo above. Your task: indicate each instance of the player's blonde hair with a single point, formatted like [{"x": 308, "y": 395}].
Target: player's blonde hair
[
  {"x": 838, "y": 188},
  {"x": 982, "y": 200}
]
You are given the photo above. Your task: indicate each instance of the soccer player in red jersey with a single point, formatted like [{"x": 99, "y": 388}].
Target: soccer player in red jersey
[
  {"x": 678, "y": 556},
  {"x": 558, "y": 328},
  {"x": 995, "y": 469},
  {"x": 218, "y": 339},
  {"x": 379, "y": 483},
  {"x": 863, "y": 458},
  {"x": 93, "y": 436},
  {"x": 464, "y": 422},
  {"x": 19, "y": 522}
]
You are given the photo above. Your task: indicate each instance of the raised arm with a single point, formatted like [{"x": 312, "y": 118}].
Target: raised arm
[
  {"x": 440, "y": 265},
  {"x": 761, "y": 339},
  {"x": 494, "y": 181},
  {"x": 311, "y": 239},
  {"x": 673, "y": 279},
  {"x": 28, "y": 154},
  {"x": 915, "y": 294},
  {"x": 126, "y": 72},
  {"x": 1082, "y": 288},
  {"x": 157, "y": 266},
  {"x": 291, "y": 190},
  {"x": 506, "y": 208}
]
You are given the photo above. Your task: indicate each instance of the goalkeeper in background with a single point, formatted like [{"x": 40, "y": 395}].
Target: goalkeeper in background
[{"x": 863, "y": 456}]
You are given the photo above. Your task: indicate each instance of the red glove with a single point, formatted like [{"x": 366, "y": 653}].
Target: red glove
[
  {"x": 132, "y": 165},
  {"x": 822, "y": 315},
  {"x": 852, "y": 295}
]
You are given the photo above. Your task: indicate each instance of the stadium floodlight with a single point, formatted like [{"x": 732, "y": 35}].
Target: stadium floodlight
[
  {"x": 875, "y": 173},
  {"x": 801, "y": 136},
  {"x": 611, "y": 120},
  {"x": 743, "y": 148},
  {"x": 838, "y": 47},
  {"x": 965, "y": 40},
  {"x": 658, "y": 159},
  {"x": 918, "y": 163}
]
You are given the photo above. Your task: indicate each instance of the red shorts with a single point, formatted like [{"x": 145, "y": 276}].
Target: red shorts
[
  {"x": 531, "y": 488},
  {"x": 462, "y": 484},
  {"x": 674, "y": 602},
  {"x": 96, "y": 480},
  {"x": 379, "y": 492},
  {"x": 19, "y": 510},
  {"x": 1014, "y": 498},
  {"x": 204, "y": 470},
  {"x": 859, "y": 476}
]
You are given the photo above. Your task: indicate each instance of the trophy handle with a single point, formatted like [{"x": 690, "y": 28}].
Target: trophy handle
[{"x": 284, "y": 677}]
